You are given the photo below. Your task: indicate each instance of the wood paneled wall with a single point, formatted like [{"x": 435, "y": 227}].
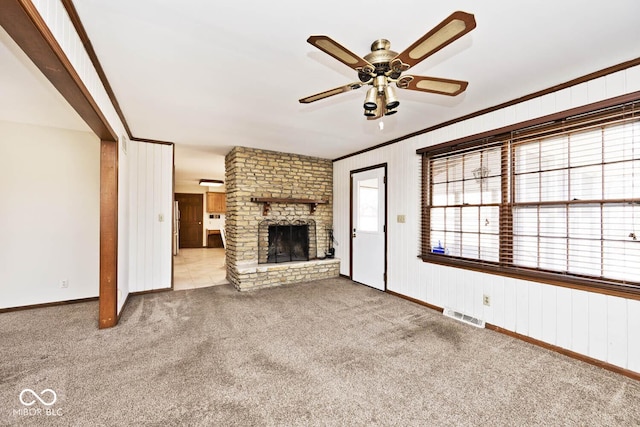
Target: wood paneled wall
[
  {"x": 595, "y": 325},
  {"x": 59, "y": 23},
  {"x": 150, "y": 215}
]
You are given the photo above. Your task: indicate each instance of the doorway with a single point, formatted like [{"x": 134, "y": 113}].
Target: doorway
[
  {"x": 196, "y": 265},
  {"x": 190, "y": 222},
  {"x": 369, "y": 226}
]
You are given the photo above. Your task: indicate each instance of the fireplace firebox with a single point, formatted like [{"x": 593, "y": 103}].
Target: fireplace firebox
[{"x": 286, "y": 241}]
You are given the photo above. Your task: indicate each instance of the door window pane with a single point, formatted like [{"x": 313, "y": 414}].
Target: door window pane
[{"x": 368, "y": 205}]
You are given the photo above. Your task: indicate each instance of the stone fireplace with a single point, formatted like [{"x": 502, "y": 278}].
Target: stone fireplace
[{"x": 279, "y": 217}]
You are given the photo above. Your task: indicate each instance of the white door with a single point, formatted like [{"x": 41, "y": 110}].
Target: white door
[{"x": 368, "y": 240}]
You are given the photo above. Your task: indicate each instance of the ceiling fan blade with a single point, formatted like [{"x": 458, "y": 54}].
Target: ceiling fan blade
[
  {"x": 339, "y": 52},
  {"x": 433, "y": 85},
  {"x": 331, "y": 92},
  {"x": 452, "y": 28}
]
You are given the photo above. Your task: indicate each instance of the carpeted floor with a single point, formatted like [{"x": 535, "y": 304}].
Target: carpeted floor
[{"x": 328, "y": 352}]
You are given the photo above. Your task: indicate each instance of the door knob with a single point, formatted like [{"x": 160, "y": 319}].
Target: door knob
[{"x": 200, "y": 223}]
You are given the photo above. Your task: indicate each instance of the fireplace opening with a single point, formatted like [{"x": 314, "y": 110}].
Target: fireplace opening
[
  {"x": 284, "y": 241},
  {"x": 288, "y": 243}
]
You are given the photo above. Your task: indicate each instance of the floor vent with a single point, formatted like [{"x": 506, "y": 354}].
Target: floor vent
[{"x": 473, "y": 321}]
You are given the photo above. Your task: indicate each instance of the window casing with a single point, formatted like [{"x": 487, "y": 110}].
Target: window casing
[{"x": 558, "y": 202}]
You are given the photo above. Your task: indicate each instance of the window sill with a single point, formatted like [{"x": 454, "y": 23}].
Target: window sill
[{"x": 558, "y": 279}]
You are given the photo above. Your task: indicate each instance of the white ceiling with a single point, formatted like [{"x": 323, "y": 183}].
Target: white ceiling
[{"x": 210, "y": 75}]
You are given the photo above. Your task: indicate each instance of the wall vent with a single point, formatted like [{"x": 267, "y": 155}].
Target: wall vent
[{"x": 473, "y": 321}]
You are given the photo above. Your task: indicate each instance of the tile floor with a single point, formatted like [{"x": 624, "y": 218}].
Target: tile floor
[{"x": 199, "y": 268}]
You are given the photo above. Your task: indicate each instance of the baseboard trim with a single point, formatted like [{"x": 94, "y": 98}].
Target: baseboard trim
[
  {"x": 124, "y": 306},
  {"x": 48, "y": 304},
  {"x": 417, "y": 301},
  {"x": 572, "y": 354},
  {"x": 564, "y": 351},
  {"x": 152, "y": 291}
]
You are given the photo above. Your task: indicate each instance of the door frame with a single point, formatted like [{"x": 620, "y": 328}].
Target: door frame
[{"x": 351, "y": 173}]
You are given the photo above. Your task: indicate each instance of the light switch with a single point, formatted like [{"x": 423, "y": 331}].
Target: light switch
[
  {"x": 160, "y": 217},
  {"x": 401, "y": 219}
]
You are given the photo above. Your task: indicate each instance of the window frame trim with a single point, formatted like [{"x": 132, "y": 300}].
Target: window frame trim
[{"x": 505, "y": 267}]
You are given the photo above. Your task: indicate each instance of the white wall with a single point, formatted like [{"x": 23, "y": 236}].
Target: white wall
[
  {"x": 58, "y": 21},
  {"x": 207, "y": 223},
  {"x": 49, "y": 215},
  {"x": 130, "y": 264},
  {"x": 598, "y": 326}
]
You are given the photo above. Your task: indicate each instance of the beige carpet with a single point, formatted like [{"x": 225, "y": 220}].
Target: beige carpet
[{"x": 328, "y": 352}]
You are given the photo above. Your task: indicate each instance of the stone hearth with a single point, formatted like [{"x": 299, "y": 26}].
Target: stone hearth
[{"x": 291, "y": 180}]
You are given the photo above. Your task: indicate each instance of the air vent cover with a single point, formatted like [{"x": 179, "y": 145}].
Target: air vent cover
[{"x": 473, "y": 321}]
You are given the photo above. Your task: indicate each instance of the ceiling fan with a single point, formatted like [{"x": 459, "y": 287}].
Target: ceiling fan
[{"x": 383, "y": 66}]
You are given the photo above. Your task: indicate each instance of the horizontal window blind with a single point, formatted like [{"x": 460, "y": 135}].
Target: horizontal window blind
[
  {"x": 466, "y": 194},
  {"x": 560, "y": 198}
]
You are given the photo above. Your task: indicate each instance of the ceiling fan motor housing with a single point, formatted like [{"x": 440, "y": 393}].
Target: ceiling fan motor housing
[{"x": 380, "y": 57}]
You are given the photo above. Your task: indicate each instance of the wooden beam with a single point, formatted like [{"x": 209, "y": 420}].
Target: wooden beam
[
  {"x": 88, "y": 47},
  {"x": 108, "y": 305},
  {"x": 23, "y": 23}
]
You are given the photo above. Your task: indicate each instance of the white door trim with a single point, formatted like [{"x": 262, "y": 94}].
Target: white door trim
[{"x": 382, "y": 166}]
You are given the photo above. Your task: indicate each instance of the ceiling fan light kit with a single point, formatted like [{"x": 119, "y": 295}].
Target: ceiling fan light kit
[
  {"x": 390, "y": 97},
  {"x": 371, "y": 100},
  {"x": 382, "y": 66}
]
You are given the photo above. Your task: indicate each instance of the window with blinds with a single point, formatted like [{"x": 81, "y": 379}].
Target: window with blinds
[
  {"x": 559, "y": 201},
  {"x": 466, "y": 194}
]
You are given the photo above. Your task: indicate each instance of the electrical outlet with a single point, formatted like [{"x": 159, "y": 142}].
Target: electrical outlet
[
  {"x": 160, "y": 218},
  {"x": 64, "y": 283},
  {"x": 486, "y": 300},
  {"x": 401, "y": 219}
]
